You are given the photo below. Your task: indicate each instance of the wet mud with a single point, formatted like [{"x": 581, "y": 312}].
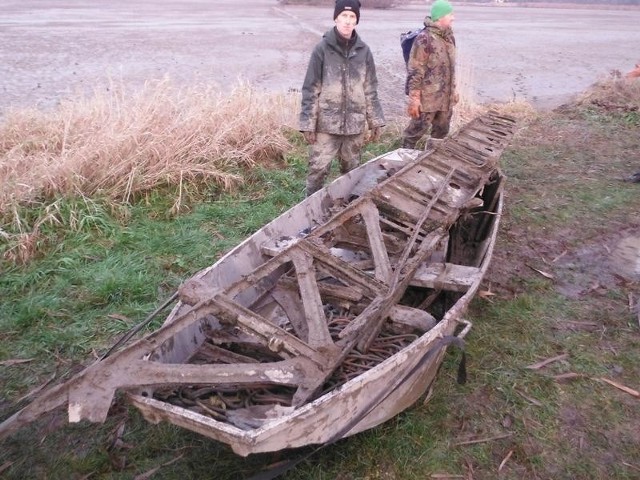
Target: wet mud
[{"x": 51, "y": 50}]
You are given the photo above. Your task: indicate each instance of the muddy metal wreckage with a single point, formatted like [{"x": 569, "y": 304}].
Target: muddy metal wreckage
[{"x": 327, "y": 321}]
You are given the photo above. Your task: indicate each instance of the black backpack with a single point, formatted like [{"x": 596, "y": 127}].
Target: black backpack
[{"x": 406, "y": 42}]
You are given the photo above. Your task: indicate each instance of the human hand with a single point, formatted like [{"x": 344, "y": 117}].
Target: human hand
[
  {"x": 309, "y": 137},
  {"x": 414, "y": 109},
  {"x": 456, "y": 98}
]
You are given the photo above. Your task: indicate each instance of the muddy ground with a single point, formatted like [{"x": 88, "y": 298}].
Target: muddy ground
[{"x": 56, "y": 48}]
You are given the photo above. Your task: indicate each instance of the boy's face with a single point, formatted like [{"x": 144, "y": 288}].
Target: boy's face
[{"x": 346, "y": 23}]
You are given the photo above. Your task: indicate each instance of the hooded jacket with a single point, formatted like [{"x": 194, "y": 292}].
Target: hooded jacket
[
  {"x": 431, "y": 67},
  {"x": 340, "y": 89}
]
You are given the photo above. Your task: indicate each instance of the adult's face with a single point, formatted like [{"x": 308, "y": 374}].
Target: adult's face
[
  {"x": 346, "y": 23},
  {"x": 446, "y": 21}
]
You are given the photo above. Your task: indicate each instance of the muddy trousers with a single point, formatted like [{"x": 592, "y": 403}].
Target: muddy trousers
[
  {"x": 436, "y": 122},
  {"x": 346, "y": 148}
]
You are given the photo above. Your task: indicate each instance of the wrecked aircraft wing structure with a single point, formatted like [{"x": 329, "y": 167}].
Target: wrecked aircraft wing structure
[{"x": 327, "y": 321}]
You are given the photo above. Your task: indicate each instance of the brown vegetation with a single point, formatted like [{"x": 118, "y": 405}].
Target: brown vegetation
[
  {"x": 119, "y": 145},
  {"x": 617, "y": 94}
]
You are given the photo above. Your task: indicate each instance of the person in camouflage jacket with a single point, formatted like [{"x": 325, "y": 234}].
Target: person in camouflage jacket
[
  {"x": 339, "y": 98},
  {"x": 431, "y": 78}
]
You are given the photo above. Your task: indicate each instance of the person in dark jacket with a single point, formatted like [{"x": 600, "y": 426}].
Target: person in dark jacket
[
  {"x": 431, "y": 80},
  {"x": 339, "y": 98}
]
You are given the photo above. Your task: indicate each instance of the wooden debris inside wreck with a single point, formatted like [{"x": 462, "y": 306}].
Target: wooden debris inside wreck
[{"x": 348, "y": 296}]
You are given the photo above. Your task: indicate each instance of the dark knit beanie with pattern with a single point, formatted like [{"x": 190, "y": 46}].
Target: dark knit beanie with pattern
[{"x": 348, "y": 5}]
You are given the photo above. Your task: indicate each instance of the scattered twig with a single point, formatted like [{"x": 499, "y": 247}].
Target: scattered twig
[
  {"x": 559, "y": 256},
  {"x": 150, "y": 473},
  {"x": 469, "y": 465},
  {"x": 529, "y": 399},
  {"x": 544, "y": 274},
  {"x": 5, "y": 466},
  {"x": 624, "y": 388},
  {"x": 544, "y": 363},
  {"x": 581, "y": 325},
  {"x": 506, "y": 459},
  {"x": 563, "y": 377},
  {"x": 117, "y": 316},
  {"x": 428, "y": 396},
  {"x": 15, "y": 361},
  {"x": 624, "y": 463},
  {"x": 486, "y": 293},
  {"x": 482, "y": 440},
  {"x": 531, "y": 421},
  {"x": 445, "y": 475}
]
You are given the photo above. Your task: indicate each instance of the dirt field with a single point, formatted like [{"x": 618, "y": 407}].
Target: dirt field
[{"x": 540, "y": 55}]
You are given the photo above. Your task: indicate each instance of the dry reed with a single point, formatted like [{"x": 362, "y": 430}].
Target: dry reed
[
  {"x": 613, "y": 93},
  {"x": 119, "y": 145}
]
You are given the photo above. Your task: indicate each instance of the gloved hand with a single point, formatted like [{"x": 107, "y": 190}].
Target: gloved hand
[
  {"x": 375, "y": 134},
  {"x": 309, "y": 137},
  {"x": 414, "y": 109}
]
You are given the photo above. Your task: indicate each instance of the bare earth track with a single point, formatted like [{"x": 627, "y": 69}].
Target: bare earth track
[{"x": 540, "y": 55}]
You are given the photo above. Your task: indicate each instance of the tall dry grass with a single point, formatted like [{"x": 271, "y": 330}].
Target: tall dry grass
[
  {"x": 613, "y": 93},
  {"x": 118, "y": 144},
  {"x": 468, "y": 107}
]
